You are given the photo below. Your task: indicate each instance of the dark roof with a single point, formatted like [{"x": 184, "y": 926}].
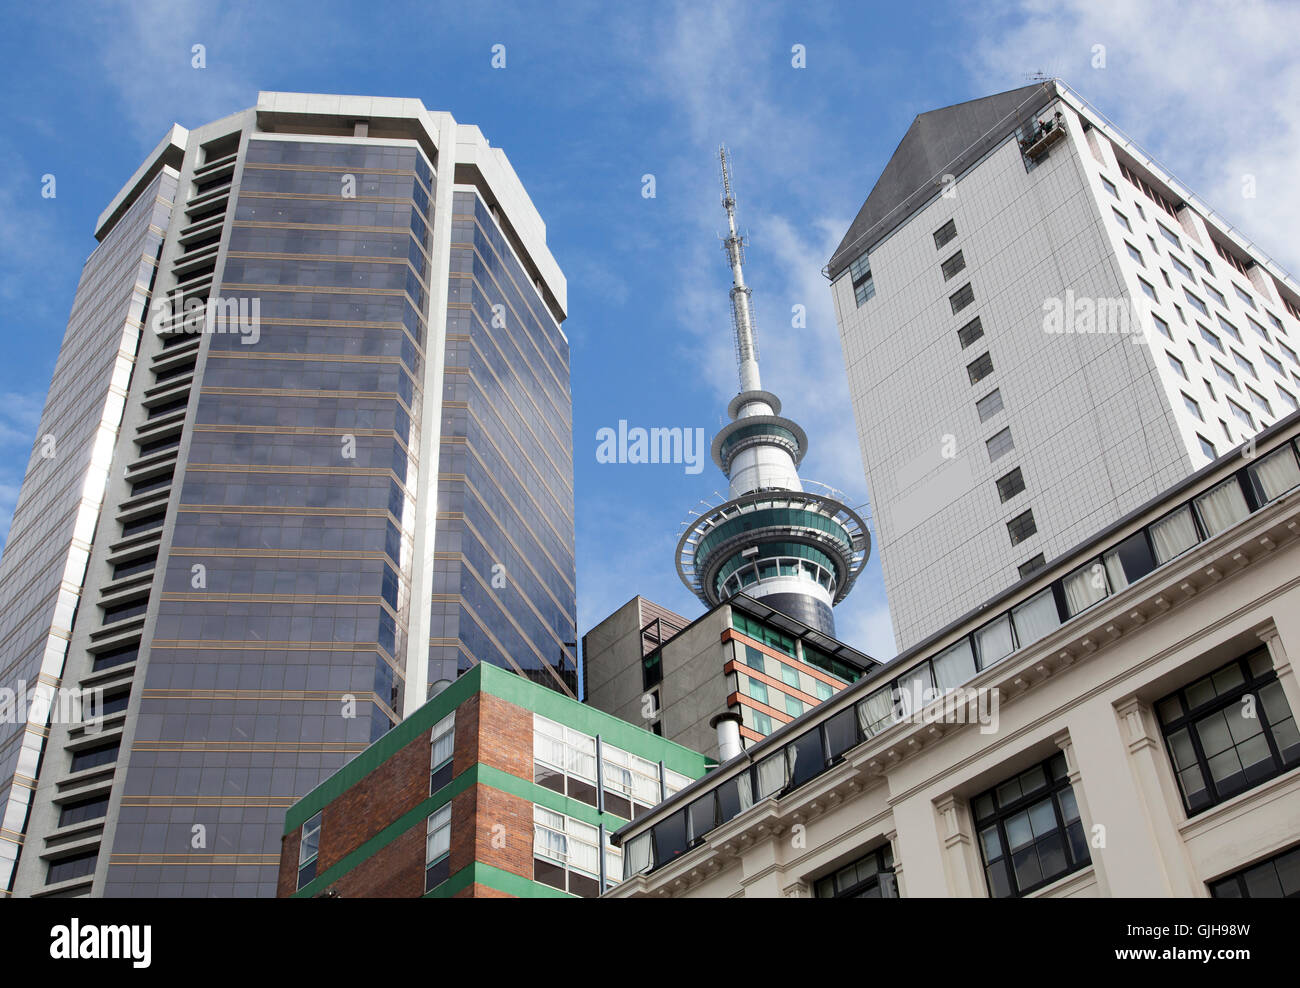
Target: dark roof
[{"x": 941, "y": 142}]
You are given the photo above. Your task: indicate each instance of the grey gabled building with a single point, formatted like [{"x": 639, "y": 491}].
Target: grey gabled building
[{"x": 266, "y": 540}]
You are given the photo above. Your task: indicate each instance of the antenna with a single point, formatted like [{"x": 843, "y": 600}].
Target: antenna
[{"x": 742, "y": 310}]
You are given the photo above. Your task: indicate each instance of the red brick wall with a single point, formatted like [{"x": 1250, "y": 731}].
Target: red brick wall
[
  {"x": 505, "y": 736},
  {"x": 490, "y": 731},
  {"x": 287, "y": 884},
  {"x": 395, "y": 871},
  {"x": 392, "y": 789}
]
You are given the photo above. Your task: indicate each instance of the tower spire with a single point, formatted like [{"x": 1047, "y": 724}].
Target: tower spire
[
  {"x": 742, "y": 309},
  {"x": 799, "y": 551}
]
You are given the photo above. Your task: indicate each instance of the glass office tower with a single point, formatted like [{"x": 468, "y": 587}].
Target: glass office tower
[{"x": 352, "y": 483}]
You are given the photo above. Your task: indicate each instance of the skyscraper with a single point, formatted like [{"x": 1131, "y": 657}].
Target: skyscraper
[
  {"x": 794, "y": 549},
  {"x": 1042, "y": 328},
  {"x": 307, "y": 457}
]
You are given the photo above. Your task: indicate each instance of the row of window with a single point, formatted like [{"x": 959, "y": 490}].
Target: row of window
[
  {"x": 998, "y": 445},
  {"x": 1205, "y": 731},
  {"x": 1030, "y": 831},
  {"x": 1227, "y": 377},
  {"x": 566, "y": 761}
]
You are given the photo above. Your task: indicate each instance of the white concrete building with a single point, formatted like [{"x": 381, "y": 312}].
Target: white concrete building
[
  {"x": 1120, "y": 724},
  {"x": 1042, "y": 329}
]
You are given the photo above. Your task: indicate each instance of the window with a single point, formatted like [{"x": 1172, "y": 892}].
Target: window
[
  {"x": 1211, "y": 338},
  {"x": 864, "y": 286},
  {"x": 1140, "y": 211},
  {"x": 1123, "y": 220},
  {"x": 1030, "y": 833},
  {"x": 1134, "y": 253},
  {"x": 1242, "y": 414},
  {"x": 1244, "y": 295},
  {"x": 989, "y": 405},
  {"x": 1000, "y": 444},
  {"x": 1287, "y": 397},
  {"x": 1169, "y": 235},
  {"x": 944, "y": 234},
  {"x": 1220, "y": 743},
  {"x": 1177, "y": 365},
  {"x": 437, "y": 848},
  {"x": 971, "y": 332},
  {"x": 76, "y": 866},
  {"x": 961, "y": 298},
  {"x": 1205, "y": 265},
  {"x": 1226, "y": 375},
  {"x": 1229, "y": 328},
  {"x": 1273, "y": 363},
  {"x": 793, "y": 706},
  {"x": 1276, "y": 878},
  {"x": 442, "y": 746},
  {"x": 1181, "y": 268},
  {"x": 980, "y": 368},
  {"x": 1147, "y": 290},
  {"x": 1207, "y": 447},
  {"x": 1162, "y": 326},
  {"x": 309, "y": 851},
  {"x": 1214, "y": 293},
  {"x": 1196, "y": 303},
  {"x": 762, "y": 633},
  {"x": 1010, "y": 485},
  {"x": 1109, "y": 186},
  {"x": 1031, "y": 565},
  {"x": 1209, "y": 388},
  {"x": 1260, "y": 401},
  {"x": 1181, "y": 318},
  {"x": 95, "y": 808},
  {"x": 1021, "y": 527},
  {"x": 953, "y": 266},
  {"x": 1221, "y": 507},
  {"x": 1276, "y": 322},
  {"x": 652, "y": 670},
  {"x": 94, "y": 757},
  {"x": 1244, "y": 364},
  {"x": 1193, "y": 407},
  {"x": 566, "y": 853},
  {"x": 1288, "y": 353},
  {"x": 870, "y": 877},
  {"x": 631, "y": 782},
  {"x": 564, "y": 760}
]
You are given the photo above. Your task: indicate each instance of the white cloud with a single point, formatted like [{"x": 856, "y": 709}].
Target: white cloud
[{"x": 1211, "y": 90}]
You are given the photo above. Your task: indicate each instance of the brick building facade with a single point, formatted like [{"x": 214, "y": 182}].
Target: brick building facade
[{"x": 462, "y": 799}]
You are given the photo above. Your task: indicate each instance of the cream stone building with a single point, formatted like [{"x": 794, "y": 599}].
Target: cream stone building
[{"x": 1119, "y": 723}]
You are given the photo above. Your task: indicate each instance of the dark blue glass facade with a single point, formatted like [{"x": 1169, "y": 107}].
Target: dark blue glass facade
[
  {"x": 504, "y": 585},
  {"x": 281, "y": 636}
]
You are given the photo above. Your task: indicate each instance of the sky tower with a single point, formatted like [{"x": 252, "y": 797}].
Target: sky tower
[{"x": 797, "y": 550}]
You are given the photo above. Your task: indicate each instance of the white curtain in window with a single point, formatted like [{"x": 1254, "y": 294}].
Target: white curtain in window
[
  {"x": 1115, "y": 571},
  {"x": 636, "y": 855},
  {"x": 1084, "y": 587},
  {"x": 1277, "y": 473},
  {"x": 993, "y": 642},
  {"x": 582, "y": 756},
  {"x": 1036, "y": 618},
  {"x": 745, "y": 791},
  {"x": 584, "y": 852},
  {"x": 443, "y": 748},
  {"x": 771, "y": 775},
  {"x": 1222, "y": 507},
  {"x": 876, "y": 712},
  {"x": 439, "y": 834},
  {"x": 1173, "y": 535},
  {"x": 954, "y": 665}
]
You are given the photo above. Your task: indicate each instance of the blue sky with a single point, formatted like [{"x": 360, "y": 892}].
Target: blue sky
[{"x": 594, "y": 96}]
